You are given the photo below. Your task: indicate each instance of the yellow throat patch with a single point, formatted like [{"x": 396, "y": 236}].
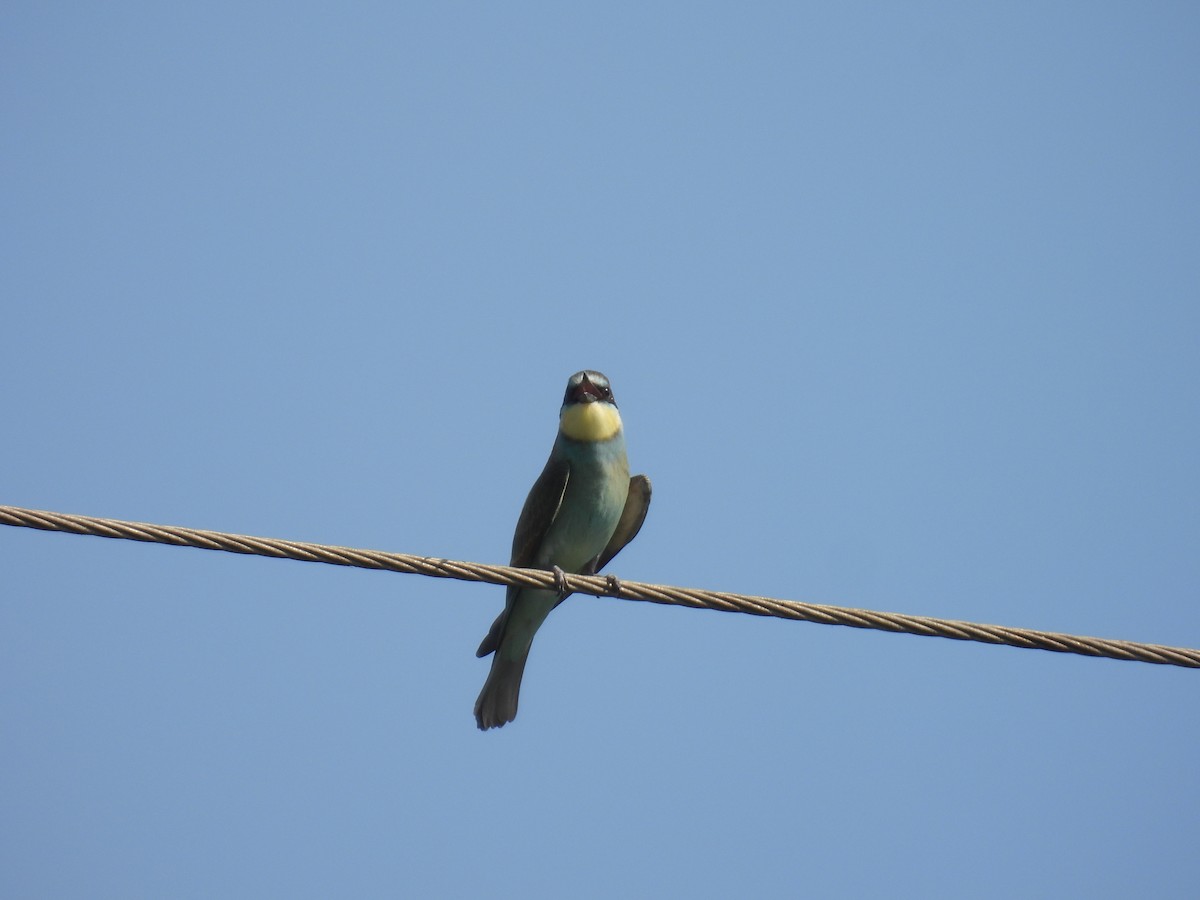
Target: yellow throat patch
[{"x": 590, "y": 421}]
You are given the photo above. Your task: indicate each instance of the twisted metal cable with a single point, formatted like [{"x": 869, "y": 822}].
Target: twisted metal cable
[{"x": 602, "y": 586}]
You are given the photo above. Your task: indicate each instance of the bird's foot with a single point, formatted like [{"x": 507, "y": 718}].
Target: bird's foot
[
  {"x": 614, "y": 584},
  {"x": 560, "y": 582}
]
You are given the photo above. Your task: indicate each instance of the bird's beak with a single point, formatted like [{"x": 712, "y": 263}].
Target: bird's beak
[{"x": 585, "y": 392}]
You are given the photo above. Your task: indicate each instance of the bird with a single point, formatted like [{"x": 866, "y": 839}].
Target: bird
[{"x": 582, "y": 510}]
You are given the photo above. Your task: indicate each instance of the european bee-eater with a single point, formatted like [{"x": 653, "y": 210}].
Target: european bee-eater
[{"x": 582, "y": 510}]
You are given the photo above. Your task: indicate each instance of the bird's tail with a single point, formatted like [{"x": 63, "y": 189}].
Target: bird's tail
[{"x": 497, "y": 703}]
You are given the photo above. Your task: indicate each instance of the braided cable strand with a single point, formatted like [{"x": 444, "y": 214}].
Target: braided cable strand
[{"x": 602, "y": 586}]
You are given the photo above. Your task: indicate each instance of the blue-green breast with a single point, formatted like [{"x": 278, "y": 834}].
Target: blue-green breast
[{"x": 592, "y": 505}]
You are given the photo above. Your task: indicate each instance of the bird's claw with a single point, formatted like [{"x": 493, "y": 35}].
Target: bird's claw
[
  {"x": 614, "y": 584},
  {"x": 560, "y": 582}
]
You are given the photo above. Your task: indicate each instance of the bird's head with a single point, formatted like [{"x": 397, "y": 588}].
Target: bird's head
[
  {"x": 588, "y": 387},
  {"x": 589, "y": 412}
]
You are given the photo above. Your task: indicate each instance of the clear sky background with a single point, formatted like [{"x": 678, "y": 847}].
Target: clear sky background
[{"x": 901, "y": 303}]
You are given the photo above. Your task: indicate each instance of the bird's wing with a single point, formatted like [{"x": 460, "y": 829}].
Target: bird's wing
[
  {"x": 541, "y": 506},
  {"x": 637, "y": 503}
]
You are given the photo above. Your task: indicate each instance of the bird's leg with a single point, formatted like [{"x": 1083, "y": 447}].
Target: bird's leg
[
  {"x": 614, "y": 584},
  {"x": 560, "y": 582}
]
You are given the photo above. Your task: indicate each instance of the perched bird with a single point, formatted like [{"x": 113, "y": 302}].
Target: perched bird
[{"x": 582, "y": 510}]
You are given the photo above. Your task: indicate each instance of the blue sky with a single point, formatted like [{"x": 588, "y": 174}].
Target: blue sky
[{"x": 902, "y": 307}]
